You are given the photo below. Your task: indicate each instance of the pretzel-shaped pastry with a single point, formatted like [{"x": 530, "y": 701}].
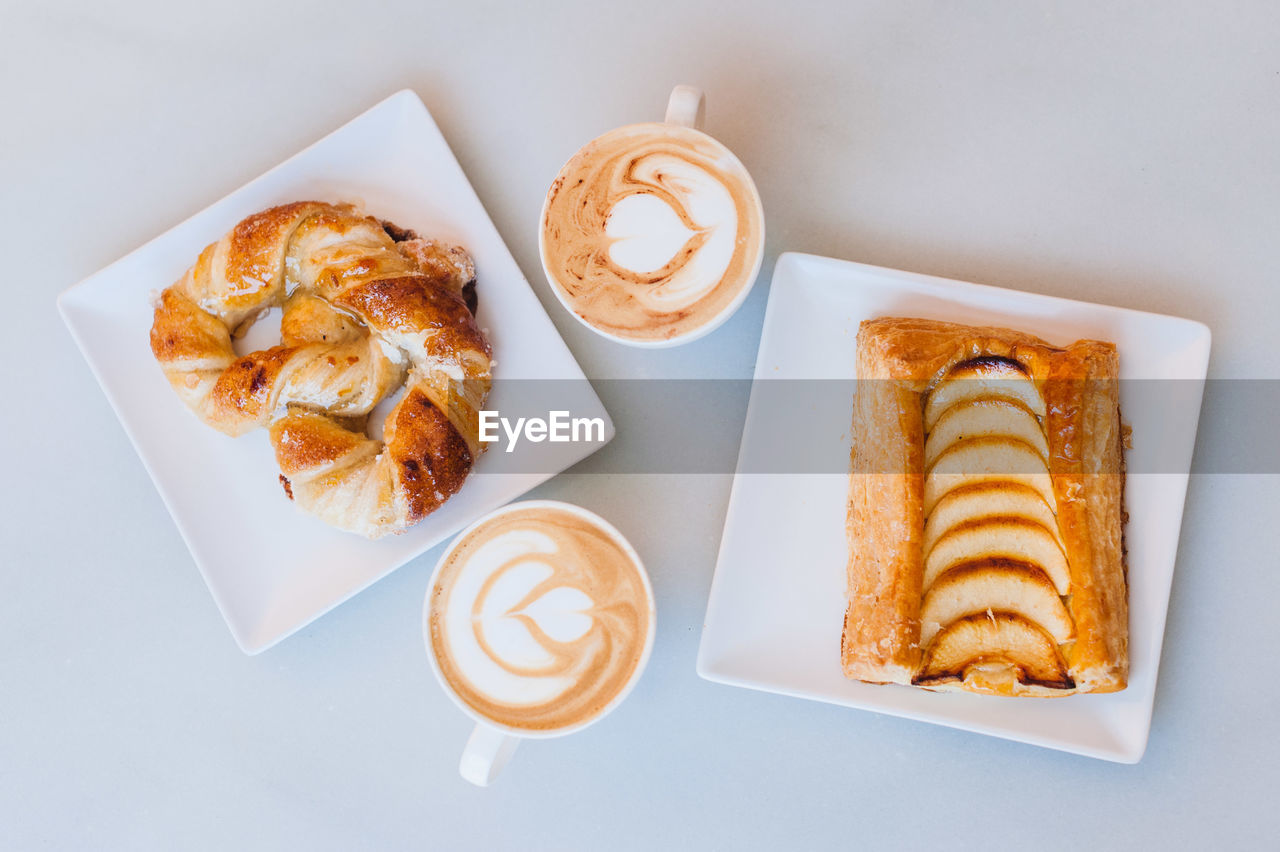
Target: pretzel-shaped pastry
[{"x": 366, "y": 308}]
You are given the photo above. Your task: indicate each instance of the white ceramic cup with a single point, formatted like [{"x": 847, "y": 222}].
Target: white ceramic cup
[
  {"x": 687, "y": 107},
  {"x": 491, "y": 743}
]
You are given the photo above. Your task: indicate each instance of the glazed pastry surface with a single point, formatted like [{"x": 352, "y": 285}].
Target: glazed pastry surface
[
  {"x": 985, "y": 512},
  {"x": 367, "y": 308}
]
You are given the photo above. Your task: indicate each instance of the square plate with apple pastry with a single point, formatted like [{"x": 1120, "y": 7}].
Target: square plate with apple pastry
[{"x": 778, "y": 600}]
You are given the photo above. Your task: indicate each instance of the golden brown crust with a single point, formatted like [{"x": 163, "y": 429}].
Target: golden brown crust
[
  {"x": 1086, "y": 461},
  {"x": 899, "y": 361},
  {"x": 431, "y": 458},
  {"x": 183, "y": 332},
  {"x": 247, "y": 389},
  {"x": 306, "y": 441},
  {"x": 360, "y": 314},
  {"x": 882, "y": 621},
  {"x": 415, "y": 304}
]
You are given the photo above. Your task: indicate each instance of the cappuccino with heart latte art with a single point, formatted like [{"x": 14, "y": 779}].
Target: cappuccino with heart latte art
[
  {"x": 539, "y": 618},
  {"x": 652, "y": 232}
]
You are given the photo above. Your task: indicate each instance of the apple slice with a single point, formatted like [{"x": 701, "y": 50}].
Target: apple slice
[
  {"x": 979, "y": 646},
  {"x": 996, "y": 587},
  {"x": 984, "y": 417},
  {"x": 983, "y": 377},
  {"x": 988, "y": 500},
  {"x": 1012, "y": 539},
  {"x": 986, "y": 460}
]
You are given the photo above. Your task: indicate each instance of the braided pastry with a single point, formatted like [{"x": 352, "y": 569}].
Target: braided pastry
[{"x": 367, "y": 308}]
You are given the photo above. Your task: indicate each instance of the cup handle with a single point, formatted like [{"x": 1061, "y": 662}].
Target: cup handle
[
  {"x": 687, "y": 106},
  {"x": 487, "y": 751}
]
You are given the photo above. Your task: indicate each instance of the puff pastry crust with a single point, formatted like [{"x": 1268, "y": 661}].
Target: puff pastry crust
[{"x": 1025, "y": 594}]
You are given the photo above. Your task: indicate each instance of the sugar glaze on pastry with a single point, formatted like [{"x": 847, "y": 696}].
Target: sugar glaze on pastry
[
  {"x": 985, "y": 512},
  {"x": 367, "y": 308}
]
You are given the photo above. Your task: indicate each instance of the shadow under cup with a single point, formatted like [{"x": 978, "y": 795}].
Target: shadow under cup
[
  {"x": 652, "y": 234},
  {"x": 538, "y": 621}
]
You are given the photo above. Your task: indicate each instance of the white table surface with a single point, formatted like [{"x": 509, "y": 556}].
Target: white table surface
[{"x": 1078, "y": 149}]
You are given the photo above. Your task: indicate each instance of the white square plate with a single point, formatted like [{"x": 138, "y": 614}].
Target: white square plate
[
  {"x": 777, "y": 600},
  {"x": 272, "y": 569}
]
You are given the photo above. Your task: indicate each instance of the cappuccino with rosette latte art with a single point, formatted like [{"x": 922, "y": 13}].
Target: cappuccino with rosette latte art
[{"x": 539, "y": 618}]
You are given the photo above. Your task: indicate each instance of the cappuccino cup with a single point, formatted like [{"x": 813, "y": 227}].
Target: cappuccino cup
[
  {"x": 538, "y": 622},
  {"x": 652, "y": 234}
]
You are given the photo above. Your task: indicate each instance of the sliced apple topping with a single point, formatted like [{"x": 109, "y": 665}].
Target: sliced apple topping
[
  {"x": 1012, "y": 539},
  {"x": 982, "y": 418},
  {"x": 988, "y": 500},
  {"x": 983, "y": 378},
  {"x": 986, "y": 459},
  {"x": 995, "y": 569},
  {"x": 978, "y": 647},
  {"x": 997, "y": 587}
]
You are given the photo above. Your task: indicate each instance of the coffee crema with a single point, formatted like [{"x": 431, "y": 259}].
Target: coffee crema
[
  {"x": 539, "y": 618},
  {"x": 651, "y": 231}
]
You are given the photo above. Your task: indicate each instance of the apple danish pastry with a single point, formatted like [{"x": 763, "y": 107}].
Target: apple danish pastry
[{"x": 985, "y": 512}]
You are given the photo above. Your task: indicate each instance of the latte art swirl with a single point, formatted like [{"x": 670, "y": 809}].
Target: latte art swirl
[
  {"x": 538, "y": 619},
  {"x": 651, "y": 231}
]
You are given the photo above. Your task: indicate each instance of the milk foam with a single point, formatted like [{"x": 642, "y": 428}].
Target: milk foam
[
  {"x": 647, "y": 233},
  {"x": 650, "y": 233},
  {"x": 489, "y": 642}
]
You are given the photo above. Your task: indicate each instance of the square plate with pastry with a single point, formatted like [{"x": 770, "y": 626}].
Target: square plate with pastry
[
  {"x": 301, "y": 368},
  {"x": 977, "y": 547}
]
